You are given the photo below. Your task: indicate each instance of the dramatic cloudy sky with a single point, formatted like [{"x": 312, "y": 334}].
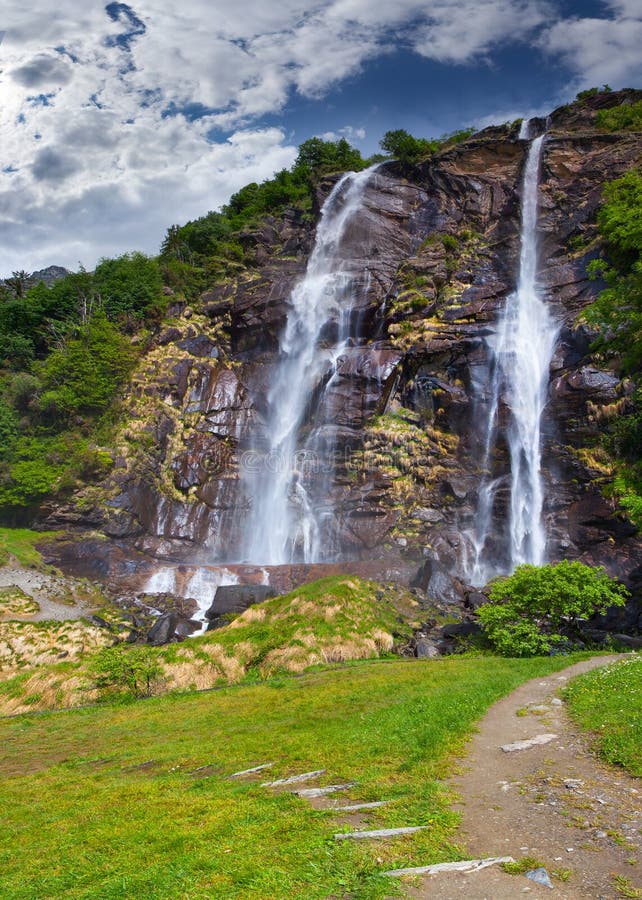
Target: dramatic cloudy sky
[{"x": 117, "y": 120}]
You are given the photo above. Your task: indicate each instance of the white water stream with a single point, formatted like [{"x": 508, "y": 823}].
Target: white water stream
[
  {"x": 521, "y": 358},
  {"x": 283, "y": 523},
  {"x": 201, "y": 585}
]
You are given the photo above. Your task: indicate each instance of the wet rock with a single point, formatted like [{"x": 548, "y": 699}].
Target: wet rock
[
  {"x": 205, "y": 457},
  {"x": 185, "y": 628},
  {"x": 169, "y": 335},
  {"x": 163, "y": 631},
  {"x": 460, "y": 629},
  {"x": 200, "y": 345},
  {"x": 426, "y": 649},
  {"x": 539, "y": 876},
  {"x": 536, "y": 741},
  {"x": 475, "y": 599},
  {"x": 628, "y": 640},
  {"x": 235, "y": 598},
  {"x": 429, "y": 515},
  {"x": 99, "y": 622}
]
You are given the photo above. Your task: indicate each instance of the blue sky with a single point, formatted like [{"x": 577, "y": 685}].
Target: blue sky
[{"x": 119, "y": 119}]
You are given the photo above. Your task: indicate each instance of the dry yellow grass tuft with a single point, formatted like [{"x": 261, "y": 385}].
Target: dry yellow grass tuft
[
  {"x": 253, "y": 614},
  {"x": 28, "y": 644},
  {"x": 14, "y": 602}
]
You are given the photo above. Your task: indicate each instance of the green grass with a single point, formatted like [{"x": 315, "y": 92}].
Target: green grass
[
  {"x": 608, "y": 702},
  {"x": 332, "y": 619},
  {"x": 20, "y": 543},
  {"x": 101, "y": 802}
]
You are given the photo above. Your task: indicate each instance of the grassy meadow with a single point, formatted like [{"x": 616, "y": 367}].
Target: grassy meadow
[{"x": 112, "y": 801}]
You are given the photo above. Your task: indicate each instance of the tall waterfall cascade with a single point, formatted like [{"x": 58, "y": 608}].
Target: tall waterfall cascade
[
  {"x": 521, "y": 351},
  {"x": 285, "y": 523}
]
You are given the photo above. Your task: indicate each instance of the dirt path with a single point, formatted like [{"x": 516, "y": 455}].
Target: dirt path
[{"x": 555, "y": 802}]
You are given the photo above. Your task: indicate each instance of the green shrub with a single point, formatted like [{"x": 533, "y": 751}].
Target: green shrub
[
  {"x": 126, "y": 670},
  {"x": 130, "y": 286},
  {"x": 405, "y": 148},
  {"x": 626, "y": 117},
  {"x": 450, "y": 242},
  {"x": 593, "y": 92},
  {"x": 8, "y": 427},
  {"x": 538, "y": 608},
  {"x": 82, "y": 377},
  {"x": 617, "y": 313},
  {"x": 409, "y": 150}
]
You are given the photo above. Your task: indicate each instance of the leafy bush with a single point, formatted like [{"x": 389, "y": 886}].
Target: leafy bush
[
  {"x": 625, "y": 117},
  {"x": 405, "y": 148},
  {"x": 593, "y": 92},
  {"x": 617, "y": 312},
  {"x": 126, "y": 670},
  {"x": 129, "y": 286},
  {"x": 8, "y": 427},
  {"x": 538, "y": 608},
  {"x": 320, "y": 156},
  {"x": 83, "y": 375},
  {"x": 620, "y": 218}
]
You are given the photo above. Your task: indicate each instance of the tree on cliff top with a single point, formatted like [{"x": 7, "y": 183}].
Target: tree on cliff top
[
  {"x": 405, "y": 148},
  {"x": 409, "y": 150}
]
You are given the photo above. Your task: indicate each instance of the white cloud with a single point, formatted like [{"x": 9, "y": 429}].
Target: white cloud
[
  {"x": 458, "y": 31},
  {"x": 95, "y": 156},
  {"x": 599, "y": 51},
  {"x": 351, "y": 134}
]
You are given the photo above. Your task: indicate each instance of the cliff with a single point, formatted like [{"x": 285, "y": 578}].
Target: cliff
[{"x": 432, "y": 254}]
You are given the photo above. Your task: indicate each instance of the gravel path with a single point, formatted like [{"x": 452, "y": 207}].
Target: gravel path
[
  {"x": 44, "y": 589},
  {"x": 553, "y": 801}
]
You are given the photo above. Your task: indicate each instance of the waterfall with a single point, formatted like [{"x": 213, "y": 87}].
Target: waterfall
[
  {"x": 521, "y": 354},
  {"x": 284, "y": 523}
]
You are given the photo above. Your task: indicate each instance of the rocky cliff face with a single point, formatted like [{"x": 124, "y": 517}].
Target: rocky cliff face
[{"x": 433, "y": 260}]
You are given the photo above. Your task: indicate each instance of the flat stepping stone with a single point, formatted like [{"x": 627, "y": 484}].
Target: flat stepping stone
[
  {"x": 531, "y": 742},
  {"x": 294, "y": 779},
  {"x": 357, "y": 806},
  {"x": 378, "y": 833},
  {"x": 322, "y": 791},
  {"x": 251, "y": 771},
  {"x": 468, "y": 865}
]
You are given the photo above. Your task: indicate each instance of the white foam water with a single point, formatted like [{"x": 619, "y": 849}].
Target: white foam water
[
  {"x": 521, "y": 356},
  {"x": 284, "y": 524}
]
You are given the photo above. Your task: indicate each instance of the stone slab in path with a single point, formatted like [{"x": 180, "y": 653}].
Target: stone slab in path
[
  {"x": 251, "y": 771},
  {"x": 294, "y": 779},
  {"x": 378, "y": 834},
  {"x": 322, "y": 791},
  {"x": 468, "y": 865},
  {"x": 355, "y": 807},
  {"x": 527, "y": 744}
]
